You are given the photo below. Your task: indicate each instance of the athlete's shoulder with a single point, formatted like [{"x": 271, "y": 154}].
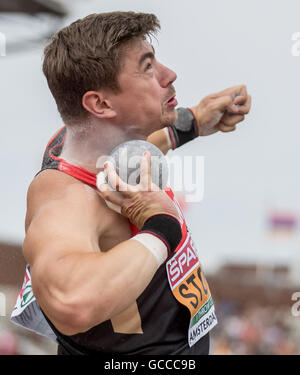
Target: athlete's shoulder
[
  {"x": 53, "y": 184},
  {"x": 61, "y": 191}
]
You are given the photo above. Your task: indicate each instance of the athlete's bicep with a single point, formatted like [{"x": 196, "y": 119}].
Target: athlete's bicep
[{"x": 63, "y": 225}]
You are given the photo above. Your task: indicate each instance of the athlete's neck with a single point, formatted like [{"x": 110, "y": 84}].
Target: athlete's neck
[{"x": 84, "y": 146}]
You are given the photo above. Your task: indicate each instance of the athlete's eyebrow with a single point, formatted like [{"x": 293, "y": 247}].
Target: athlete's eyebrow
[{"x": 147, "y": 55}]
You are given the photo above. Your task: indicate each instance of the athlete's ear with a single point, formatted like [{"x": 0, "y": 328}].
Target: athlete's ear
[{"x": 98, "y": 104}]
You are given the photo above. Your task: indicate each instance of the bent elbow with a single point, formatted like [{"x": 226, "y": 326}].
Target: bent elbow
[
  {"x": 67, "y": 322},
  {"x": 70, "y": 313},
  {"x": 72, "y": 318}
]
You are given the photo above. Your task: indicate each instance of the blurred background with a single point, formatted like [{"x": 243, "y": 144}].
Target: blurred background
[{"x": 247, "y": 225}]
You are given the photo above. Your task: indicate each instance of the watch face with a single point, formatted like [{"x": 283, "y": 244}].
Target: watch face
[{"x": 185, "y": 119}]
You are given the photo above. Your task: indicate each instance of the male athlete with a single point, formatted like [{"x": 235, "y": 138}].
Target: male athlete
[{"x": 128, "y": 283}]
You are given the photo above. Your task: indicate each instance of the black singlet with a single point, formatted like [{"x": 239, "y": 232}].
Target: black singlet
[{"x": 164, "y": 320}]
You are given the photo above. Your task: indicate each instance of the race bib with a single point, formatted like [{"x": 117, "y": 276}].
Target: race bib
[{"x": 190, "y": 288}]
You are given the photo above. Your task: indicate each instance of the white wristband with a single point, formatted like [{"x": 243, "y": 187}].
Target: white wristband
[{"x": 157, "y": 247}]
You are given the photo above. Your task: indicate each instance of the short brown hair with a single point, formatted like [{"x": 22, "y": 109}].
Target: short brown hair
[{"x": 87, "y": 55}]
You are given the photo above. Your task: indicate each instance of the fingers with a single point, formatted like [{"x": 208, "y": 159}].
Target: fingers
[
  {"x": 234, "y": 91},
  {"x": 145, "y": 171},
  {"x": 231, "y": 120},
  {"x": 240, "y": 105},
  {"x": 228, "y": 122},
  {"x": 101, "y": 182},
  {"x": 225, "y": 128},
  {"x": 223, "y": 103},
  {"x": 243, "y": 105},
  {"x": 106, "y": 192},
  {"x": 241, "y": 99},
  {"x": 241, "y": 91},
  {"x": 115, "y": 181}
]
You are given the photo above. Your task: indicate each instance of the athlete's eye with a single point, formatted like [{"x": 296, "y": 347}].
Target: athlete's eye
[{"x": 148, "y": 66}]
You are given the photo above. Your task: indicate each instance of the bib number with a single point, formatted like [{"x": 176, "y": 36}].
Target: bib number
[{"x": 190, "y": 288}]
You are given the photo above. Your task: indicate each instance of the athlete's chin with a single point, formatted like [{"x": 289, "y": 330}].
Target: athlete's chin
[{"x": 169, "y": 117}]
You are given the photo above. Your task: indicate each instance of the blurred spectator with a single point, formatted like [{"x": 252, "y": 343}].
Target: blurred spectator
[
  {"x": 8, "y": 343},
  {"x": 255, "y": 330}
]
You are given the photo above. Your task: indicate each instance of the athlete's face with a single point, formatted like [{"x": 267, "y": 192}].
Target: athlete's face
[{"x": 146, "y": 89}]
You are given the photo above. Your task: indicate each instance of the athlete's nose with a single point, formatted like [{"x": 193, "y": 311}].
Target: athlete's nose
[{"x": 166, "y": 76}]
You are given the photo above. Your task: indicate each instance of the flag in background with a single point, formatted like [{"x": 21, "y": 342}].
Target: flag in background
[{"x": 282, "y": 223}]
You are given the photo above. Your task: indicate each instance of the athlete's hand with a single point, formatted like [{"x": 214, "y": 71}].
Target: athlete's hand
[
  {"x": 222, "y": 111},
  {"x": 138, "y": 203}
]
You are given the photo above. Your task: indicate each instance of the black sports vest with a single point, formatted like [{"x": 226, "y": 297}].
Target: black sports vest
[{"x": 165, "y": 321}]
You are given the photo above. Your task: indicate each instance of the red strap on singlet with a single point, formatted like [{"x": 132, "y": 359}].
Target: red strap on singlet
[
  {"x": 91, "y": 179},
  {"x": 83, "y": 174},
  {"x": 78, "y": 172}
]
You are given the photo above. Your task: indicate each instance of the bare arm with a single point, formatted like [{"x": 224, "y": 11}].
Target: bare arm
[
  {"x": 160, "y": 140},
  {"x": 76, "y": 285},
  {"x": 216, "y": 112}
]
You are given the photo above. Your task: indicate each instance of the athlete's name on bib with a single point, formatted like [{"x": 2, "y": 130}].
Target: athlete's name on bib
[{"x": 203, "y": 326}]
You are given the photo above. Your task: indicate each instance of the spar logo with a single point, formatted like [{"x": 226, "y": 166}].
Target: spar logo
[{"x": 182, "y": 263}]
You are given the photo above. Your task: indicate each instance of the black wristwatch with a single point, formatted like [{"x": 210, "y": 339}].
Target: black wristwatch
[{"x": 185, "y": 128}]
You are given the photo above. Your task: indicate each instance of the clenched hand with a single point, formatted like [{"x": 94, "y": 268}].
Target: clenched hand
[{"x": 222, "y": 111}]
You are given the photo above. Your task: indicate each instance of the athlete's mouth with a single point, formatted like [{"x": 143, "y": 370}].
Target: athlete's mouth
[
  {"x": 172, "y": 97},
  {"x": 172, "y": 102}
]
